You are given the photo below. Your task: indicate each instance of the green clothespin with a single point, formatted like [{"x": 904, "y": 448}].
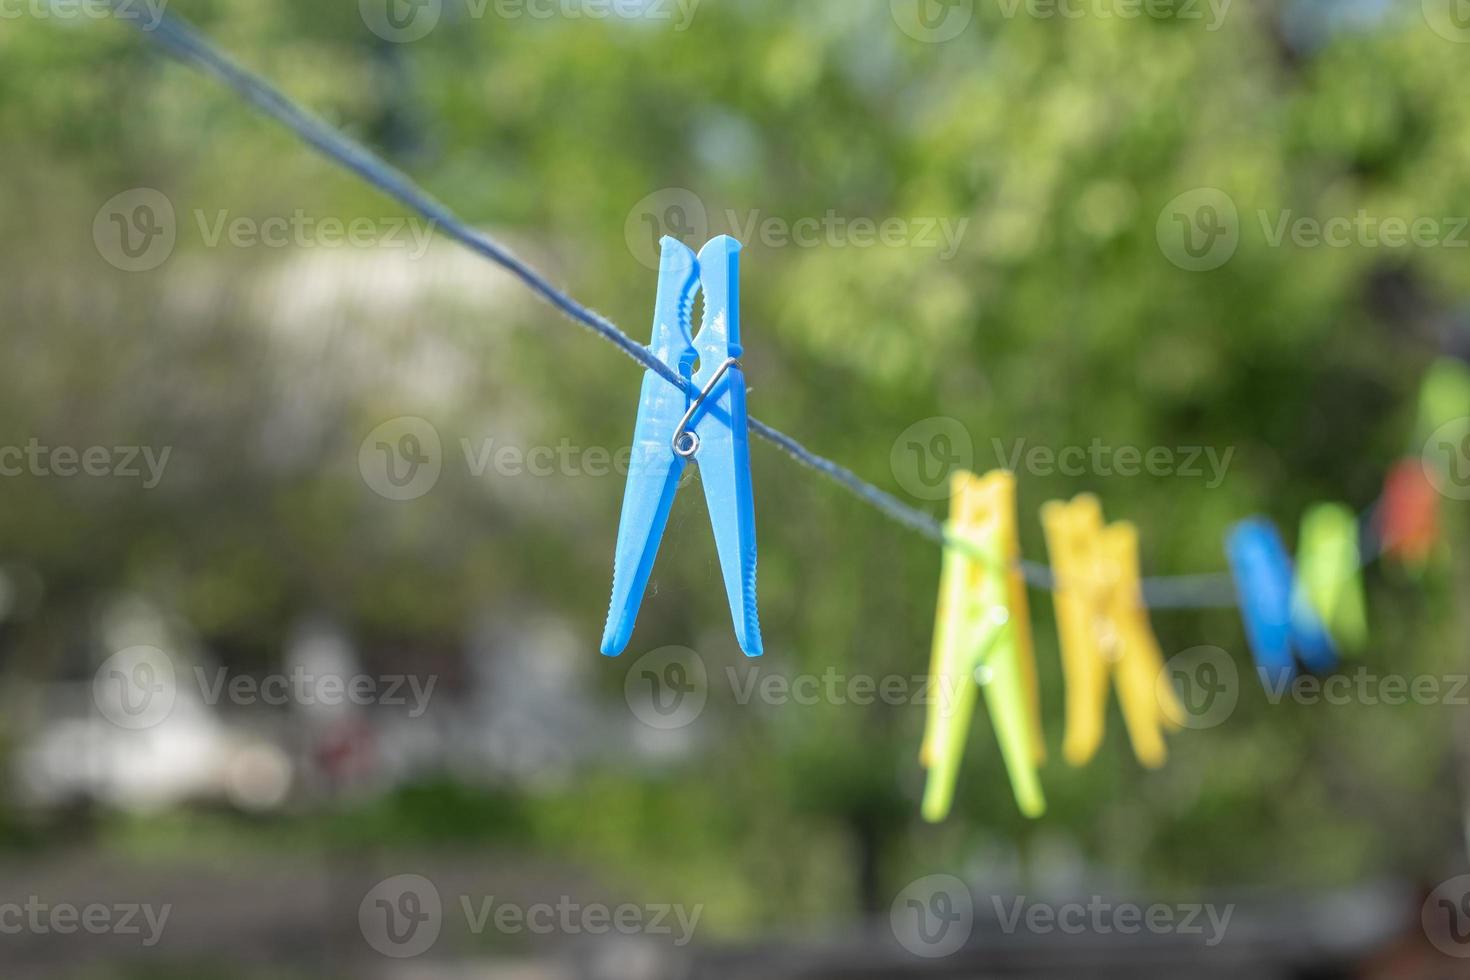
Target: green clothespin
[
  {"x": 982, "y": 641},
  {"x": 1329, "y": 576},
  {"x": 1444, "y": 397}
]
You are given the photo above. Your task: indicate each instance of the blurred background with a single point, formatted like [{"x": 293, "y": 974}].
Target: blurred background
[{"x": 307, "y": 513}]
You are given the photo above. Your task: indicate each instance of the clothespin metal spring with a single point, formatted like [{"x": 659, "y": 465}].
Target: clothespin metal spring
[{"x": 686, "y": 443}]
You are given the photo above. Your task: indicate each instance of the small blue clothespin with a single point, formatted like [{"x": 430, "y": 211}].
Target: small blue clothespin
[
  {"x": 674, "y": 428},
  {"x": 1275, "y": 625}
]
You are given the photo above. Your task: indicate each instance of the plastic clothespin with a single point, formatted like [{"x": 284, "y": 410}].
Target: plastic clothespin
[
  {"x": 1408, "y": 515},
  {"x": 982, "y": 641},
  {"x": 1275, "y": 625},
  {"x": 1443, "y": 398},
  {"x": 674, "y": 428},
  {"x": 1105, "y": 633},
  {"x": 1408, "y": 520},
  {"x": 1329, "y": 578},
  {"x": 1150, "y": 707}
]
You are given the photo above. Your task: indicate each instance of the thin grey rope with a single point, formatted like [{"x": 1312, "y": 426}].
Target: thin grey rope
[{"x": 186, "y": 43}]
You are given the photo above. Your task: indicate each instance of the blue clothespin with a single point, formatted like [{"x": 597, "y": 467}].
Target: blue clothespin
[
  {"x": 674, "y": 428},
  {"x": 1274, "y": 624}
]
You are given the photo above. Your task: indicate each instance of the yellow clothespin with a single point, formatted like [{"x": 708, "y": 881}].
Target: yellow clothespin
[
  {"x": 982, "y": 640},
  {"x": 1105, "y": 632}
]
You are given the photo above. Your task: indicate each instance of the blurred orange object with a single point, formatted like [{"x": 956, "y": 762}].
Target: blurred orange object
[{"x": 1408, "y": 516}]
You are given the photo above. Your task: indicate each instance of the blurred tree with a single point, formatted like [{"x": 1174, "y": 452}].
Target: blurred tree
[{"x": 1055, "y": 152}]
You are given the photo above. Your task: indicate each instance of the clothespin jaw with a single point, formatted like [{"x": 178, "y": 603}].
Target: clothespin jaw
[
  {"x": 982, "y": 641},
  {"x": 1072, "y": 532},
  {"x": 1149, "y": 708},
  {"x": 949, "y": 612},
  {"x": 714, "y": 432},
  {"x": 1274, "y": 625},
  {"x": 1329, "y": 579},
  {"x": 723, "y": 433},
  {"x": 1105, "y": 632},
  {"x": 1262, "y": 575}
]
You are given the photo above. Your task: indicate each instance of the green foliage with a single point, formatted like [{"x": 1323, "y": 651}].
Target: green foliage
[{"x": 1058, "y": 320}]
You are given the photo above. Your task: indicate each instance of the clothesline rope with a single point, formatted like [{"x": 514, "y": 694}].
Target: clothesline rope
[{"x": 1214, "y": 590}]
